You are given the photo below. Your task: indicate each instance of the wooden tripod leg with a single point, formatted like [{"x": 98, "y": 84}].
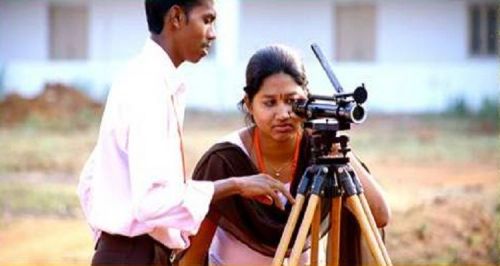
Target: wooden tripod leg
[
  {"x": 303, "y": 230},
  {"x": 355, "y": 206},
  {"x": 333, "y": 248},
  {"x": 315, "y": 232},
  {"x": 287, "y": 232},
  {"x": 373, "y": 225}
]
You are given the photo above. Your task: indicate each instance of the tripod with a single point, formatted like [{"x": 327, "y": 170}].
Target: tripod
[{"x": 329, "y": 179}]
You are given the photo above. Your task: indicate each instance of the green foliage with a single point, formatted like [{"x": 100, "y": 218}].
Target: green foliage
[
  {"x": 488, "y": 111},
  {"x": 2, "y": 79},
  {"x": 495, "y": 251},
  {"x": 427, "y": 139},
  {"x": 84, "y": 119},
  {"x": 20, "y": 198},
  {"x": 458, "y": 107},
  {"x": 422, "y": 231},
  {"x": 484, "y": 120}
]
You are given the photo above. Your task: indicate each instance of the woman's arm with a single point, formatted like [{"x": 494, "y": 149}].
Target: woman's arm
[
  {"x": 372, "y": 191},
  {"x": 200, "y": 243}
]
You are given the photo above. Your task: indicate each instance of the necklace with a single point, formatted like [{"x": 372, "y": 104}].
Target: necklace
[{"x": 276, "y": 171}]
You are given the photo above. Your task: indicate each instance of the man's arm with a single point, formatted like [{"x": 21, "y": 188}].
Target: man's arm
[{"x": 260, "y": 187}]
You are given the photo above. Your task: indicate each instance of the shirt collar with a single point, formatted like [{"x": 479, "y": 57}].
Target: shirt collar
[{"x": 160, "y": 60}]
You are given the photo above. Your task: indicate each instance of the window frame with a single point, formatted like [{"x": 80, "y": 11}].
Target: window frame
[{"x": 480, "y": 28}]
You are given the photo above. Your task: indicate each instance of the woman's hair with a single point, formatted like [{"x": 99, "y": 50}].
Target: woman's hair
[
  {"x": 267, "y": 61},
  {"x": 156, "y": 10}
]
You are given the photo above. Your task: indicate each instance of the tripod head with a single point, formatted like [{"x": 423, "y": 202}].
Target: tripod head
[
  {"x": 326, "y": 115},
  {"x": 346, "y": 108}
]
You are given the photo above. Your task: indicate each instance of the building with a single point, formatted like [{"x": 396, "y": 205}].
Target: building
[{"x": 412, "y": 55}]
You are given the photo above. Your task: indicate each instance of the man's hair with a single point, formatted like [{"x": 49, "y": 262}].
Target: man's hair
[{"x": 156, "y": 10}]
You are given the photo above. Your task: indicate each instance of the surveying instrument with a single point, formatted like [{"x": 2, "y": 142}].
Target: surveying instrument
[{"x": 330, "y": 178}]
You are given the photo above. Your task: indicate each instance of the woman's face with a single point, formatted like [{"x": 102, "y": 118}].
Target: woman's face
[{"x": 271, "y": 107}]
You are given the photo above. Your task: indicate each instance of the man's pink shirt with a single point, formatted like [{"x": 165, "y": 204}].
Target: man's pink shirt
[{"x": 133, "y": 182}]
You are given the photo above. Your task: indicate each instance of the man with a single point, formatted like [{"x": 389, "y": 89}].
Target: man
[{"x": 133, "y": 188}]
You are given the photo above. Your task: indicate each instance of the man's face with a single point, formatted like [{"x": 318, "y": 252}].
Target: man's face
[{"x": 199, "y": 32}]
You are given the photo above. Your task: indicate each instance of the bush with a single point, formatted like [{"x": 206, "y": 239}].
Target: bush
[
  {"x": 458, "y": 108},
  {"x": 2, "y": 79},
  {"x": 489, "y": 109}
]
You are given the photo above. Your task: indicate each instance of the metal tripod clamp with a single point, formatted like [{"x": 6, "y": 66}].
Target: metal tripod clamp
[
  {"x": 319, "y": 180},
  {"x": 346, "y": 181}
]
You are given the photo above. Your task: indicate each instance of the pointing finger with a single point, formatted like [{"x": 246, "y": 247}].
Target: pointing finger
[
  {"x": 276, "y": 199},
  {"x": 285, "y": 192}
]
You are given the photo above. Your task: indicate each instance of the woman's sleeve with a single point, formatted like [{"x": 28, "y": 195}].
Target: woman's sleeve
[{"x": 211, "y": 168}]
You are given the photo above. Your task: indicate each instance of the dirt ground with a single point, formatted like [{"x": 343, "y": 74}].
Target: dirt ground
[
  {"x": 444, "y": 217},
  {"x": 444, "y": 211},
  {"x": 55, "y": 102}
]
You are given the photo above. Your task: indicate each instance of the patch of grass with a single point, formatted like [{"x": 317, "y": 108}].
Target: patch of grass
[
  {"x": 487, "y": 116},
  {"x": 27, "y": 198},
  {"x": 450, "y": 257},
  {"x": 82, "y": 120},
  {"x": 2, "y": 80},
  {"x": 427, "y": 139},
  {"x": 29, "y": 149},
  {"x": 489, "y": 109},
  {"x": 495, "y": 251}
]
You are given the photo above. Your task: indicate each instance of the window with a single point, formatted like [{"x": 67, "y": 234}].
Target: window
[
  {"x": 359, "y": 44},
  {"x": 483, "y": 21},
  {"x": 68, "y": 29}
]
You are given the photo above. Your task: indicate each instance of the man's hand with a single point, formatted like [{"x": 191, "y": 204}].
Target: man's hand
[
  {"x": 263, "y": 188},
  {"x": 260, "y": 187}
]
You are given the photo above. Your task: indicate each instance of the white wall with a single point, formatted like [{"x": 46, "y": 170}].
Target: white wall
[
  {"x": 28, "y": 78},
  {"x": 228, "y": 33},
  {"x": 421, "y": 31},
  {"x": 422, "y": 54},
  {"x": 23, "y": 30},
  {"x": 394, "y": 87},
  {"x": 118, "y": 29},
  {"x": 291, "y": 22},
  {"x": 414, "y": 87}
]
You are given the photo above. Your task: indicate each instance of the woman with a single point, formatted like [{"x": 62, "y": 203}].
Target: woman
[{"x": 247, "y": 232}]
